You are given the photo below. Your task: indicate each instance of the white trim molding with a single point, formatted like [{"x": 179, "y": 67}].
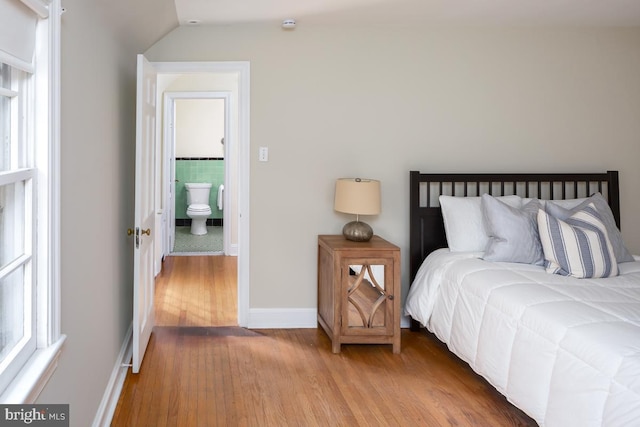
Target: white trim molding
[
  {"x": 26, "y": 387},
  {"x": 40, "y": 7},
  {"x": 118, "y": 375},
  {"x": 292, "y": 318},
  {"x": 283, "y": 318}
]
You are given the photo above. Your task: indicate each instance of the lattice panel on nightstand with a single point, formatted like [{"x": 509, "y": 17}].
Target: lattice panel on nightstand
[{"x": 366, "y": 298}]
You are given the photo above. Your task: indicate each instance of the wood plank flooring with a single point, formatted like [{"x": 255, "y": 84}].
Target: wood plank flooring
[
  {"x": 197, "y": 291},
  {"x": 230, "y": 376}
]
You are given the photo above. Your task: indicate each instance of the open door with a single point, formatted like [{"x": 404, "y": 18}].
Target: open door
[{"x": 143, "y": 260}]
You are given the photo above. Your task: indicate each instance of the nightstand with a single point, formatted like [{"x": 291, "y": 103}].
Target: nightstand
[{"x": 359, "y": 291}]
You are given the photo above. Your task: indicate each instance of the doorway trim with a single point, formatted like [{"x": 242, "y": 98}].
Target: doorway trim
[
  {"x": 242, "y": 70},
  {"x": 169, "y": 125}
]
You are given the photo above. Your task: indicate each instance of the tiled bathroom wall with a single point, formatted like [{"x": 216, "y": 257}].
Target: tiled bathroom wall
[{"x": 198, "y": 170}]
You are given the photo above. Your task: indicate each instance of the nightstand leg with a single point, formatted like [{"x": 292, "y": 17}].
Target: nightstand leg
[
  {"x": 397, "y": 335},
  {"x": 335, "y": 346}
]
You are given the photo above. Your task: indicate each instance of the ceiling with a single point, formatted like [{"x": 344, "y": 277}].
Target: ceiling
[{"x": 474, "y": 12}]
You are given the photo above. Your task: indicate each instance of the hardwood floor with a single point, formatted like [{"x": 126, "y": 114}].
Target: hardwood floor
[
  {"x": 231, "y": 376},
  {"x": 197, "y": 291}
]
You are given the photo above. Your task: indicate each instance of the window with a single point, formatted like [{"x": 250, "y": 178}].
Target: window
[
  {"x": 17, "y": 278},
  {"x": 30, "y": 339}
]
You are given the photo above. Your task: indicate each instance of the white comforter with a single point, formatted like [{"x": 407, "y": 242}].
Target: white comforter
[{"x": 566, "y": 351}]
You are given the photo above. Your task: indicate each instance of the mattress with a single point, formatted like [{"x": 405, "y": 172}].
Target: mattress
[{"x": 566, "y": 351}]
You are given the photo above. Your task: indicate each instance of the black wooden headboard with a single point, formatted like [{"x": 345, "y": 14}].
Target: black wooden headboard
[{"x": 426, "y": 224}]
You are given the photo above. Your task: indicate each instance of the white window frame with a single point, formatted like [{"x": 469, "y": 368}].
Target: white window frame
[
  {"x": 21, "y": 173},
  {"x": 44, "y": 127}
]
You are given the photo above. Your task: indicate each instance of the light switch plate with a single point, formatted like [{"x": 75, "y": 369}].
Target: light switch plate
[{"x": 263, "y": 154}]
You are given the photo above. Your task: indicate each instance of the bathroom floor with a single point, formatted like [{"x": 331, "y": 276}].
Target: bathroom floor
[{"x": 187, "y": 243}]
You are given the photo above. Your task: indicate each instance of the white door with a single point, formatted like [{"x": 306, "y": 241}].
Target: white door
[{"x": 143, "y": 271}]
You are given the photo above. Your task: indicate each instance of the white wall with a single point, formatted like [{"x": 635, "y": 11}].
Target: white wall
[
  {"x": 379, "y": 101},
  {"x": 99, "y": 44},
  {"x": 199, "y": 127}
]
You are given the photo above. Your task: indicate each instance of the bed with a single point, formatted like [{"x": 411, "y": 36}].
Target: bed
[{"x": 565, "y": 350}]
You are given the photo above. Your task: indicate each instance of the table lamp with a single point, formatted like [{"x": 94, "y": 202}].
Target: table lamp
[{"x": 360, "y": 197}]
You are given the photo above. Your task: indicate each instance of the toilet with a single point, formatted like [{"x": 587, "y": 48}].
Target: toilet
[{"x": 198, "y": 208}]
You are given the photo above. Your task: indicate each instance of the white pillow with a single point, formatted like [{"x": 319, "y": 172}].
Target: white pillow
[{"x": 464, "y": 224}]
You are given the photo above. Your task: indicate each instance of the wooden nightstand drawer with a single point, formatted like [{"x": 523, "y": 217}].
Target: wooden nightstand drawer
[{"x": 359, "y": 291}]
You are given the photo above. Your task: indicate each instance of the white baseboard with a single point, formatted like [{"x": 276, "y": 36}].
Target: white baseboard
[
  {"x": 282, "y": 318},
  {"x": 116, "y": 381},
  {"x": 291, "y": 318},
  {"x": 405, "y": 321},
  {"x": 233, "y": 250}
]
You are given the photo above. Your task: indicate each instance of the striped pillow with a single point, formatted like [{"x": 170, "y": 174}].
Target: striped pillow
[{"x": 578, "y": 246}]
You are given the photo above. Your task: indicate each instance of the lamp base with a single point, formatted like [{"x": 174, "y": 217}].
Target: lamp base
[{"x": 357, "y": 231}]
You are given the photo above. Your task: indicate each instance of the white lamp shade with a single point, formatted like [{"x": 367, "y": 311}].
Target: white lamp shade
[{"x": 357, "y": 196}]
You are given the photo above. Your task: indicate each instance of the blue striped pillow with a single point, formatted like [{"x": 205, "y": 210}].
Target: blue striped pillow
[{"x": 578, "y": 246}]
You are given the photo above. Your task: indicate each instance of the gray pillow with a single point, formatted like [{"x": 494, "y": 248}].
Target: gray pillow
[
  {"x": 620, "y": 250},
  {"x": 513, "y": 233}
]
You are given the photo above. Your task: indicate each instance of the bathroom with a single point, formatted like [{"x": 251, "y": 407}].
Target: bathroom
[{"x": 199, "y": 158}]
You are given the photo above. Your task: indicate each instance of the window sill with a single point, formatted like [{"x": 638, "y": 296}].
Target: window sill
[{"x": 26, "y": 387}]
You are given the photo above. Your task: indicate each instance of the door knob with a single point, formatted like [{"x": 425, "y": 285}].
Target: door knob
[{"x": 130, "y": 231}]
